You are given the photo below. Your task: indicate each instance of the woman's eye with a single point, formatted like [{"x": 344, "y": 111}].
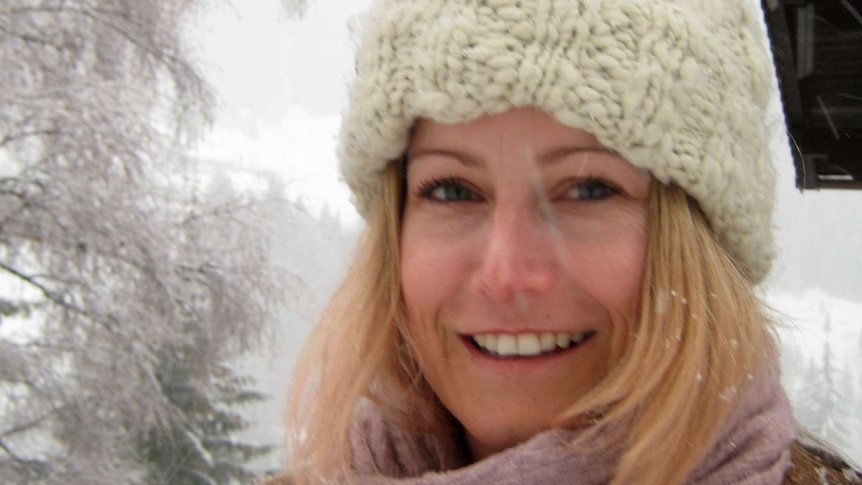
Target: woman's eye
[
  {"x": 591, "y": 189},
  {"x": 447, "y": 190}
]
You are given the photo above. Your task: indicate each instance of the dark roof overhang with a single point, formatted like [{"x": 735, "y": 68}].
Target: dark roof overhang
[{"x": 817, "y": 47}]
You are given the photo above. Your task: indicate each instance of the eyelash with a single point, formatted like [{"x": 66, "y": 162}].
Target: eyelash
[
  {"x": 426, "y": 189},
  {"x": 609, "y": 189}
]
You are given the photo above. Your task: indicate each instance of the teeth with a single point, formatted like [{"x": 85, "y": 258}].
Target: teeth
[
  {"x": 481, "y": 340},
  {"x": 491, "y": 341},
  {"x": 564, "y": 340},
  {"x": 507, "y": 345},
  {"x": 527, "y": 344},
  {"x": 548, "y": 341}
]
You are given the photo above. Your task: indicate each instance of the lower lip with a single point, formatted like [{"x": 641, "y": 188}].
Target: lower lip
[{"x": 520, "y": 362}]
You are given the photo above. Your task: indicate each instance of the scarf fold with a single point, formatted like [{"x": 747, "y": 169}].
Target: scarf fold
[{"x": 753, "y": 448}]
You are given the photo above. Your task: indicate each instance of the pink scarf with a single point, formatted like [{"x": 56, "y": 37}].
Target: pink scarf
[{"x": 753, "y": 449}]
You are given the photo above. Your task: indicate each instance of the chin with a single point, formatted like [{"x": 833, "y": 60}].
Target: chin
[{"x": 490, "y": 433}]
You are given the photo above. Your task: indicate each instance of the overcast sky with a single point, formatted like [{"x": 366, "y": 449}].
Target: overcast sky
[{"x": 282, "y": 85}]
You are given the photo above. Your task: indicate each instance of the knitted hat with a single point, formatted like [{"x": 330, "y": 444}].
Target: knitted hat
[{"x": 678, "y": 87}]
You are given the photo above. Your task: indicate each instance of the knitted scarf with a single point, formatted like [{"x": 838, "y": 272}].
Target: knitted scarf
[{"x": 753, "y": 448}]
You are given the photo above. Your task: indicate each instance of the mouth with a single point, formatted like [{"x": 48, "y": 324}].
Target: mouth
[{"x": 527, "y": 344}]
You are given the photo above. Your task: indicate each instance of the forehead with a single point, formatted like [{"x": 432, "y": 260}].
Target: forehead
[
  {"x": 515, "y": 143},
  {"x": 522, "y": 128}
]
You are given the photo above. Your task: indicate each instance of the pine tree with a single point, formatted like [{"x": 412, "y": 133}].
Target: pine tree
[
  {"x": 203, "y": 448},
  {"x": 821, "y": 405}
]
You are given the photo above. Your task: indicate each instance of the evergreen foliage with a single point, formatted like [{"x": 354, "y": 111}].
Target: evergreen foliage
[{"x": 203, "y": 448}]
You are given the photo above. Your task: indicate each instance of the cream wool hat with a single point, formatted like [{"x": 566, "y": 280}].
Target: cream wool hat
[{"x": 678, "y": 87}]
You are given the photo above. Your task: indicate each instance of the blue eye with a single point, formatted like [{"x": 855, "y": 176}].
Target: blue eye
[
  {"x": 591, "y": 189},
  {"x": 447, "y": 190}
]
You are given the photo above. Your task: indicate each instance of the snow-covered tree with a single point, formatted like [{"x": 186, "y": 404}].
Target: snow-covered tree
[
  {"x": 203, "y": 449},
  {"x": 125, "y": 286},
  {"x": 823, "y": 391}
]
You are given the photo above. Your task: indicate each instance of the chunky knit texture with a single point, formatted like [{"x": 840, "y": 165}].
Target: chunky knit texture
[{"x": 678, "y": 87}]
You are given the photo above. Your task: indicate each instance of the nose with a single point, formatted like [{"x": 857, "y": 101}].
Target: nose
[{"x": 521, "y": 255}]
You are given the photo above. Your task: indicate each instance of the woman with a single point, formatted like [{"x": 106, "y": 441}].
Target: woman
[{"x": 568, "y": 205}]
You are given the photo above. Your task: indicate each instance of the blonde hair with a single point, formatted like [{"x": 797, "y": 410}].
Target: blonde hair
[{"x": 702, "y": 332}]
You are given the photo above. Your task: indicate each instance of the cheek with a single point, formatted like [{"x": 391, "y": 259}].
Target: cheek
[
  {"x": 427, "y": 290},
  {"x": 625, "y": 269},
  {"x": 419, "y": 284},
  {"x": 610, "y": 268},
  {"x": 622, "y": 291},
  {"x": 613, "y": 281},
  {"x": 626, "y": 259},
  {"x": 427, "y": 286}
]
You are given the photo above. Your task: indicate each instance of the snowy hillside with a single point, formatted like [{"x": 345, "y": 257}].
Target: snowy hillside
[{"x": 822, "y": 365}]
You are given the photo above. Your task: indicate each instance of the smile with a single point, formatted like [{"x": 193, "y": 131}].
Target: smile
[{"x": 528, "y": 344}]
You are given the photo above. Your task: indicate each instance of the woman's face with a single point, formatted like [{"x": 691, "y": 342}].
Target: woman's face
[{"x": 522, "y": 248}]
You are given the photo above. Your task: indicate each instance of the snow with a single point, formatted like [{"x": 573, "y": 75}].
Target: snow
[{"x": 821, "y": 338}]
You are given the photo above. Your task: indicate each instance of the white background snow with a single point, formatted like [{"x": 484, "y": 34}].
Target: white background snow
[{"x": 282, "y": 84}]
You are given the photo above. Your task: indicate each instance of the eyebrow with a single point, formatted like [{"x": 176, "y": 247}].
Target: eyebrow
[
  {"x": 553, "y": 156},
  {"x": 472, "y": 160},
  {"x": 465, "y": 158}
]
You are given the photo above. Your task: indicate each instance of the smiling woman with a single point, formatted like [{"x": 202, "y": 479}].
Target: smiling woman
[
  {"x": 542, "y": 234},
  {"x": 569, "y": 204}
]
